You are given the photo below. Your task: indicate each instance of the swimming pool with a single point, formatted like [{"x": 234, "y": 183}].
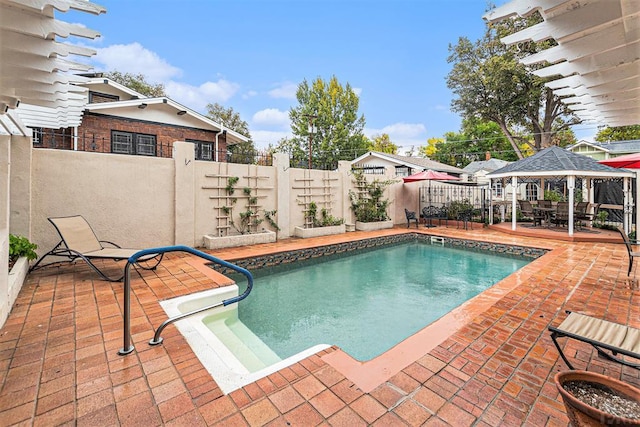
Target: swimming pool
[
  {"x": 366, "y": 303},
  {"x": 229, "y": 354}
]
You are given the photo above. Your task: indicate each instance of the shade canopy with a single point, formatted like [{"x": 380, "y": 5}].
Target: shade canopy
[
  {"x": 628, "y": 161},
  {"x": 429, "y": 175}
]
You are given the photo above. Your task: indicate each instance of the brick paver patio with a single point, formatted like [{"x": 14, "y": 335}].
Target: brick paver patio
[{"x": 59, "y": 363}]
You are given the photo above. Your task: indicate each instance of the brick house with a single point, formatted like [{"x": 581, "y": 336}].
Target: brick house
[{"x": 119, "y": 120}]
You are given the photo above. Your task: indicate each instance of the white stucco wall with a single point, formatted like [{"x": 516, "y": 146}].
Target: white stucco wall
[{"x": 127, "y": 199}]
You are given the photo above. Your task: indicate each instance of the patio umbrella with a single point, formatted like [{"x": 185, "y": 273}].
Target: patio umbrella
[
  {"x": 429, "y": 175},
  {"x": 629, "y": 161}
]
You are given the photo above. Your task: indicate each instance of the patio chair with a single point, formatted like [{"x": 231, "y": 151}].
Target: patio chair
[
  {"x": 632, "y": 254},
  {"x": 609, "y": 338},
  {"x": 545, "y": 204},
  {"x": 78, "y": 240},
  {"x": 561, "y": 216},
  {"x": 528, "y": 211},
  {"x": 583, "y": 212},
  {"x": 411, "y": 216}
]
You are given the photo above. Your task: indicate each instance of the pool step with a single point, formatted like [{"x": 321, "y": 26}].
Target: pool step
[{"x": 250, "y": 350}]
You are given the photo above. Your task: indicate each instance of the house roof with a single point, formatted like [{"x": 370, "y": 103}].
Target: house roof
[
  {"x": 593, "y": 65},
  {"x": 615, "y": 147},
  {"x": 420, "y": 163},
  {"x": 174, "y": 113},
  {"x": 554, "y": 161},
  {"x": 487, "y": 165},
  {"x": 35, "y": 67}
]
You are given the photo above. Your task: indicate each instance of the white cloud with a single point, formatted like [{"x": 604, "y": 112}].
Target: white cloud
[
  {"x": 197, "y": 97},
  {"x": 134, "y": 58},
  {"x": 262, "y": 138},
  {"x": 357, "y": 90},
  {"x": 404, "y": 135},
  {"x": 271, "y": 117},
  {"x": 249, "y": 94},
  {"x": 285, "y": 90}
]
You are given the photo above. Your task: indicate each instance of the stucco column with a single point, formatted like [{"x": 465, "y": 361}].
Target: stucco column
[
  {"x": 344, "y": 169},
  {"x": 5, "y": 171},
  {"x": 20, "y": 183},
  {"x": 184, "y": 167},
  {"x": 283, "y": 190}
]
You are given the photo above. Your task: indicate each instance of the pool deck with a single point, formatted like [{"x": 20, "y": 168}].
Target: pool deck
[{"x": 490, "y": 364}]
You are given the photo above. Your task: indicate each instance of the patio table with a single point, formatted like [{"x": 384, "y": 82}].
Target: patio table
[{"x": 547, "y": 214}]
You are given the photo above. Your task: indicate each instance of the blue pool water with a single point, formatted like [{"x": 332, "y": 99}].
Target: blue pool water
[{"x": 368, "y": 302}]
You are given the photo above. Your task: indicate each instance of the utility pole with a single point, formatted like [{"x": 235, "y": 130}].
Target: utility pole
[{"x": 311, "y": 131}]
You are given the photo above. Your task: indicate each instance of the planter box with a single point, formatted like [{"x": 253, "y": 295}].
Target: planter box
[
  {"x": 218, "y": 242},
  {"x": 370, "y": 226},
  {"x": 16, "y": 278},
  {"x": 319, "y": 231}
]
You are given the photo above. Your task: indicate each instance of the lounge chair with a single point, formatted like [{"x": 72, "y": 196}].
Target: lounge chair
[
  {"x": 609, "y": 338},
  {"x": 632, "y": 254},
  {"x": 78, "y": 240},
  {"x": 411, "y": 216}
]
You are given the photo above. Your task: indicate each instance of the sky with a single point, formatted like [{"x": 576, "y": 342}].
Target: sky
[{"x": 251, "y": 55}]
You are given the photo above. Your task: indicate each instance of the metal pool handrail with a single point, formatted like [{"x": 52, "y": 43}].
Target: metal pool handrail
[{"x": 128, "y": 347}]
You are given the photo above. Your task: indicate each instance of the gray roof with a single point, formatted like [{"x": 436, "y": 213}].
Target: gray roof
[
  {"x": 422, "y": 162},
  {"x": 616, "y": 147},
  {"x": 557, "y": 160},
  {"x": 487, "y": 165}
]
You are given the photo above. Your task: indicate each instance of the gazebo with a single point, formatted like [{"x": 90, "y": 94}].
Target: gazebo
[{"x": 555, "y": 163}]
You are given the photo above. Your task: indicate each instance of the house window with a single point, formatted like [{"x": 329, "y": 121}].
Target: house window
[
  {"x": 531, "y": 192},
  {"x": 133, "y": 143},
  {"x": 36, "y": 137},
  {"x": 497, "y": 189},
  {"x": 203, "y": 149}
]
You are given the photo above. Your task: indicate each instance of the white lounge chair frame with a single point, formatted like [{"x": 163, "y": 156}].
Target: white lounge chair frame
[{"x": 78, "y": 240}]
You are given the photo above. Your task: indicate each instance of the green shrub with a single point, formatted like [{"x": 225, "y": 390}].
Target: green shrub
[{"x": 21, "y": 246}]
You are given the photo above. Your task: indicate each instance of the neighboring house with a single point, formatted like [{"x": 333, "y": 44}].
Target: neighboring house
[
  {"x": 119, "y": 120},
  {"x": 375, "y": 162},
  {"x": 605, "y": 150},
  {"x": 477, "y": 172}
]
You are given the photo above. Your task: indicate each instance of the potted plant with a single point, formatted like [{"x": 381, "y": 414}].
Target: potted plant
[
  {"x": 368, "y": 204},
  {"x": 21, "y": 247},
  {"x": 326, "y": 225},
  {"x": 592, "y": 399},
  {"x": 21, "y": 251}
]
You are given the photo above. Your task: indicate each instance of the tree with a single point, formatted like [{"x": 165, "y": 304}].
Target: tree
[
  {"x": 492, "y": 85},
  {"x": 472, "y": 143},
  {"x": 242, "y": 152},
  {"x": 383, "y": 144},
  {"x": 138, "y": 83},
  {"x": 430, "y": 149},
  {"x": 622, "y": 133},
  {"x": 332, "y": 111}
]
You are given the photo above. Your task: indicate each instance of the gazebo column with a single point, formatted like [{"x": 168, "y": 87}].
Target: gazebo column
[
  {"x": 637, "y": 201},
  {"x": 571, "y": 184},
  {"x": 627, "y": 209},
  {"x": 514, "y": 202}
]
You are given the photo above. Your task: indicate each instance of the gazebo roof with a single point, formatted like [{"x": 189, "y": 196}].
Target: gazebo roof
[{"x": 554, "y": 161}]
